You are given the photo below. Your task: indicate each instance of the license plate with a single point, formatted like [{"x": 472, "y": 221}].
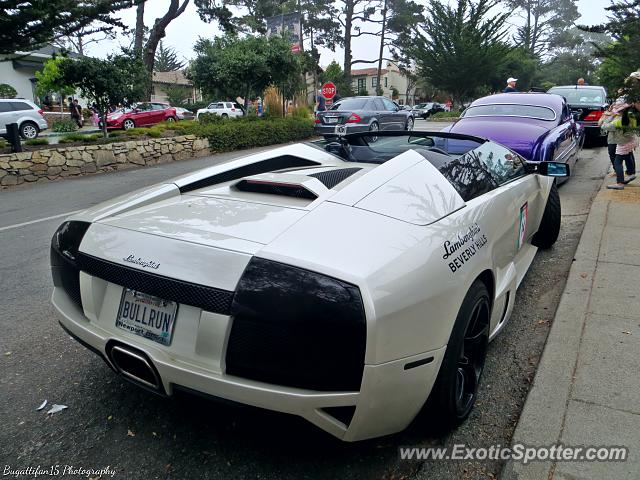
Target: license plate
[
  {"x": 148, "y": 316},
  {"x": 331, "y": 119}
]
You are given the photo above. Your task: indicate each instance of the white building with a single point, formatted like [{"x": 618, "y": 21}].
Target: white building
[
  {"x": 19, "y": 70},
  {"x": 391, "y": 79}
]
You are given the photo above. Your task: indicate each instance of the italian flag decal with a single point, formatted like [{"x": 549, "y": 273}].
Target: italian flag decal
[{"x": 524, "y": 216}]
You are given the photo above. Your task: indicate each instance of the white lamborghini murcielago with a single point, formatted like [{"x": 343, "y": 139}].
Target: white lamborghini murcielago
[{"x": 347, "y": 282}]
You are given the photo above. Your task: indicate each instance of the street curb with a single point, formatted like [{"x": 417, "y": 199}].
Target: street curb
[{"x": 542, "y": 420}]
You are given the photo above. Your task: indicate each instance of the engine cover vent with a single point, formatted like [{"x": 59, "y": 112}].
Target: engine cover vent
[{"x": 331, "y": 178}]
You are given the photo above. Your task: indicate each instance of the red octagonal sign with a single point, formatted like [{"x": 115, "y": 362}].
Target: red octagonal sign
[{"x": 328, "y": 90}]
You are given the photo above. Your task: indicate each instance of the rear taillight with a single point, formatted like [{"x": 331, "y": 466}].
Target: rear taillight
[
  {"x": 233, "y": 109},
  {"x": 41, "y": 112},
  {"x": 594, "y": 116},
  {"x": 354, "y": 118},
  {"x": 318, "y": 121}
]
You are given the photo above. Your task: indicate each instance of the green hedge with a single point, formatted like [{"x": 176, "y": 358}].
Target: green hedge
[
  {"x": 64, "y": 125},
  {"x": 451, "y": 114},
  {"x": 249, "y": 132},
  {"x": 37, "y": 141}
]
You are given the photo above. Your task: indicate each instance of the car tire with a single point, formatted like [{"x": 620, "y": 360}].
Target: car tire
[
  {"x": 171, "y": 119},
  {"x": 455, "y": 390},
  {"x": 29, "y": 130},
  {"x": 374, "y": 127},
  {"x": 409, "y": 126},
  {"x": 549, "y": 229},
  {"x": 128, "y": 123},
  {"x": 224, "y": 115}
]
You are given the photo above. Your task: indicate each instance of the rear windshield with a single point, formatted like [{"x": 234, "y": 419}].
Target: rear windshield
[
  {"x": 350, "y": 104},
  {"x": 511, "y": 110},
  {"x": 581, "y": 96}
]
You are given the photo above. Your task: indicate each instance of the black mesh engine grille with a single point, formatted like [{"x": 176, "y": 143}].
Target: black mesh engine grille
[
  {"x": 208, "y": 298},
  {"x": 331, "y": 178},
  {"x": 67, "y": 276},
  {"x": 275, "y": 189}
]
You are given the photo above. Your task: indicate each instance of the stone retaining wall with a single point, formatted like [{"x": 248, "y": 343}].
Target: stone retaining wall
[{"x": 54, "y": 163}]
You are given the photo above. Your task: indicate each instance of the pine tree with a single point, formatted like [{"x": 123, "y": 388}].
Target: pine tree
[{"x": 167, "y": 60}]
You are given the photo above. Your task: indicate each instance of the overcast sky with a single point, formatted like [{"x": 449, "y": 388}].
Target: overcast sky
[{"x": 183, "y": 32}]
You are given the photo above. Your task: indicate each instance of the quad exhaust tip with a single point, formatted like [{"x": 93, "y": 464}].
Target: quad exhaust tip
[{"x": 135, "y": 366}]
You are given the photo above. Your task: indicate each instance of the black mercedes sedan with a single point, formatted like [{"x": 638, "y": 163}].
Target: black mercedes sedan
[
  {"x": 362, "y": 114},
  {"x": 587, "y": 103}
]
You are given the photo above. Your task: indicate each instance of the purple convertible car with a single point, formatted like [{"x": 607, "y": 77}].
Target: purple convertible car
[{"x": 538, "y": 126}]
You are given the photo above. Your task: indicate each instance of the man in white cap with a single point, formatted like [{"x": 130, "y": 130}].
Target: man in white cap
[{"x": 511, "y": 85}]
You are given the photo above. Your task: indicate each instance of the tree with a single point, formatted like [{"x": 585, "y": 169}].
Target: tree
[
  {"x": 622, "y": 56},
  {"x": 50, "y": 79},
  {"x": 27, "y": 26},
  {"x": 334, "y": 74},
  {"x": 460, "y": 58},
  {"x": 232, "y": 66},
  {"x": 156, "y": 33},
  {"x": 544, "y": 20},
  {"x": 176, "y": 94},
  {"x": 167, "y": 60},
  {"x": 572, "y": 58},
  {"x": 117, "y": 79}
]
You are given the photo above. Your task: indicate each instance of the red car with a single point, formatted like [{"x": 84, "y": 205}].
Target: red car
[{"x": 141, "y": 115}]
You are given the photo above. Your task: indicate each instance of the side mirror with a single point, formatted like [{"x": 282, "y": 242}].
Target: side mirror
[{"x": 549, "y": 169}]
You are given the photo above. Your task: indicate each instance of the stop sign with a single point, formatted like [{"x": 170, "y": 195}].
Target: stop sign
[{"x": 328, "y": 90}]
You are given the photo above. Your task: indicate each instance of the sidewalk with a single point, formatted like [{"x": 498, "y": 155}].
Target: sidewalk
[{"x": 586, "y": 391}]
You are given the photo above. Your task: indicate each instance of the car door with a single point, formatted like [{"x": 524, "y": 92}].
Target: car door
[
  {"x": 393, "y": 119},
  {"x": 567, "y": 144},
  {"x": 142, "y": 114},
  {"x": 159, "y": 112}
]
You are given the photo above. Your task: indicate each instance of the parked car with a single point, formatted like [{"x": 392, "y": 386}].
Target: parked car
[
  {"x": 257, "y": 280},
  {"x": 141, "y": 115},
  {"x": 587, "y": 103},
  {"x": 224, "y": 109},
  {"x": 363, "y": 114},
  {"x": 539, "y": 126},
  {"x": 28, "y": 116},
  {"x": 425, "y": 110},
  {"x": 184, "y": 114}
]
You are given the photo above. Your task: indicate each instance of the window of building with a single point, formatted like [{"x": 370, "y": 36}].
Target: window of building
[
  {"x": 374, "y": 81},
  {"x": 362, "y": 83},
  {"x": 385, "y": 81}
]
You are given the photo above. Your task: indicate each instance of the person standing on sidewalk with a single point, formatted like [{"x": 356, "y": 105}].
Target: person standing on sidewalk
[
  {"x": 76, "y": 113},
  {"x": 607, "y": 117},
  {"x": 624, "y": 129}
]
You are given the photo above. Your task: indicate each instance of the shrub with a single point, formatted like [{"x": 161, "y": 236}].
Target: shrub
[
  {"x": 37, "y": 141},
  {"x": 301, "y": 112},
  {"x": 78, "y": 137},
  {"x": 272, "y": 103},
  {"x": 210, "y": 118},
  {"x": 136, "y": 132},
  {"x": 3, "y": 143},
  {"x": 116, "y": 133},
  {"x": 7, "y": 91},
  {"x": 446, "y": 115},
  {"x": 64, "y": 125},
  {"x": 248, "y": 133}
]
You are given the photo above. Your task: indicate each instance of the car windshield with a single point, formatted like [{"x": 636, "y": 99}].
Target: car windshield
[
  {"x": 510, "y": 110},
  {"x": 350, "y": 104},
  {"x": 581, "y": 96},
  {"x": 472, "y": 166}
]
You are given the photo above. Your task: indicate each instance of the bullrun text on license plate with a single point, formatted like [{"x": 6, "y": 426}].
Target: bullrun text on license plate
[{"x": 148, "y": 316}]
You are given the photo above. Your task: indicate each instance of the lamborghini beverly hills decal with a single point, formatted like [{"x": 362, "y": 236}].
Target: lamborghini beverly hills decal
[{"x": 467, "y": 244}]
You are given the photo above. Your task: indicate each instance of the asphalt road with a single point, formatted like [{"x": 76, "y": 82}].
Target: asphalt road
[{"x": 110, "y": 422}]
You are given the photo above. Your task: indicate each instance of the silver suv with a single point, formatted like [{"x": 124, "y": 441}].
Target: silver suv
[{"x": 26, "y": 114}]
